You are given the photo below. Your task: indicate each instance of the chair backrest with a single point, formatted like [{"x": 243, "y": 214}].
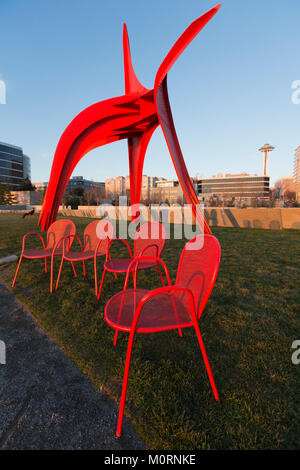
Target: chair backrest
[
  {"x": 198, "y": 268},
  {"x": 57, "y": 230},
  {"x": 95, "y": 231},
  {"x": 148, "y": 234}
]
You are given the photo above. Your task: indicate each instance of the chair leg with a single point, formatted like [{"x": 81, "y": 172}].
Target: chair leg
[
  {"x": 119, "y": 316},
  {"x": 46, "y": 269},
  {"x": 95, "y": 276},
  {"x": 209, "y": 372},
  {"x": 84, "y": 273},
  {"x": 124, "y": 388},
  {"x": 59, "y": 272},
  {"x": 101, "y": 284},
  {"x": 51, "y": 275},
  {"x": 134, "y": 275},
  {"x": 116, "y": 337},
  {"x": 17, "y": 270},
  {"x": 114, "y": 272},
  {"x": 161, "y": 277},
  {"x": 74, "y": 271}
]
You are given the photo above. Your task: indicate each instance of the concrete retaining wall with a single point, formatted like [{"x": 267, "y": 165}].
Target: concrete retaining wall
[
  {"x": 219, "y": 216},
  {"x": 223, "y": 217}
]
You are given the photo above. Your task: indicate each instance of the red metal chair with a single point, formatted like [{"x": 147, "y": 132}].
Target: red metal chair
[
  {"x": 54, "y": 245},
  {"x": 95, "y": 243},
  {"x": 170, "y": 307},
  {"x": 149, "y": 239}
]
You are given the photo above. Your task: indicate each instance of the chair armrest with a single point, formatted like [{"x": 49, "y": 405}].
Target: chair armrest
[
  {"x": 99, "y": 244},
  {"x": 114, "y": 240},
  {"x": 136, "y": 262},
  {"x": 67, "y": 237},
  {"x": 162, "y": 290},
  {"x": 32, "y": 233}
]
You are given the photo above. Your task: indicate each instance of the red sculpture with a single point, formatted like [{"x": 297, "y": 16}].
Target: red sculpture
[{"x": 133, "y": 116}]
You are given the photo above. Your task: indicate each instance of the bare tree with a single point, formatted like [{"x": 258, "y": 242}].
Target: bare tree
[{"x": 94, "y": 196}]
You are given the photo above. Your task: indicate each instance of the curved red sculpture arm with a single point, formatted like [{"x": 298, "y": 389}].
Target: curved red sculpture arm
[
  {"x": 167, "y": 124},
  {"x": 182, "y": 42},
  {"x": 95, "y": 126},
  {"x": 165, "y": 114}
]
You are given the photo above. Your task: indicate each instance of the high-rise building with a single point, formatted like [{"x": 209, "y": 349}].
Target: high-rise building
[
  {"x": 148, "y": 182},
  {"x": 115, "y": 187},
  {"x": 14, "y": 165},
  {"x": 297, "y": 173}
]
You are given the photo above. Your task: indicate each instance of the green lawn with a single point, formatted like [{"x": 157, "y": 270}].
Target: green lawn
[{"x": 248, "y": 327}]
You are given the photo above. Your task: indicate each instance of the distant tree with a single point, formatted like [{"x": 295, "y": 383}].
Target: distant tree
[
  {"x": 231, "y": 202},
  {"x": 94, "y": 196},
  {"x": 2, "y": 193},
  {"x": 6, "y": 197},
  {"x": 145, "y": 202},
  {"x": 289, "y": 196},
  {"x": 26, "y": 185},
  {"x": 212, "y": 202},
  {"x": 75, "y": 198},
  {"x": 273, "y": 197}
]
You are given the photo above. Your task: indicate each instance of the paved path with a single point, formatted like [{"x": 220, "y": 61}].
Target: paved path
[{"x": 45, "y": 401}]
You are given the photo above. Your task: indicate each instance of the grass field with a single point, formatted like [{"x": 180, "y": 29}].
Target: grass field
[{"x": 248, "y": 327}]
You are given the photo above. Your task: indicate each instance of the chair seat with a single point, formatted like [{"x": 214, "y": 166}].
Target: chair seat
[
  {"x": 38, "y": 253},
  {"x": 81, "y": 255},
  {"x": 162, "y": 312},
  {"x": 121, "y": 265}
]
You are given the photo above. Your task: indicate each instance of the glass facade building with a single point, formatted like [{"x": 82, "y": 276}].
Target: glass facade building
[
  {"x": 231, "y": 186},
  {"x": 14, "y": 165}
]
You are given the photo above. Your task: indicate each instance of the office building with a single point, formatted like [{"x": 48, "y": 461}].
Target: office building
[
  {"x": 238, "y": 187},
  {"x": 166, "y": 191},
  {"x": 14, "y": 165},
  {"x": 81, "y": 182}
]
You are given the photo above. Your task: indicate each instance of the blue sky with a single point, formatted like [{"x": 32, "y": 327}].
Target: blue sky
[{"x": 230, "y": 91}]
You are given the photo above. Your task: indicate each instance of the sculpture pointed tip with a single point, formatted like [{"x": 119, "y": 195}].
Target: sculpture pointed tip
[
  {"x": 132, "y": 84},
  {"x": 216, "y": 8}
]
